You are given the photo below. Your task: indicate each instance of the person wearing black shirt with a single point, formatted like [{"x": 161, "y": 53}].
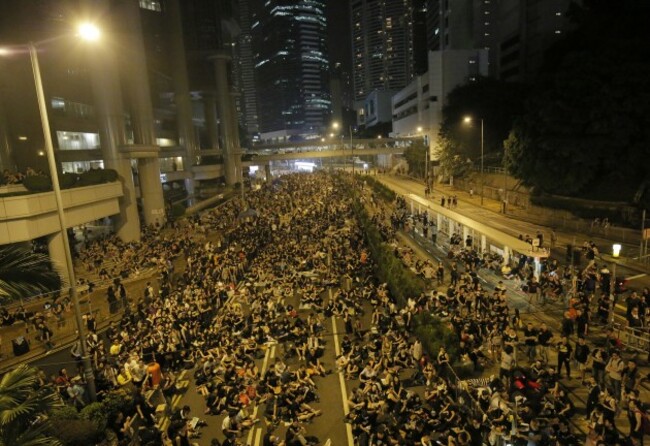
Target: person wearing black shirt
[
  {"x": 530, "y": 339},
  {"x": 582, "y": 356},
  {"x": 564, "y": 351}
]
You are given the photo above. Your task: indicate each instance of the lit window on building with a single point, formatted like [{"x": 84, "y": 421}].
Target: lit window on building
[{"x": 151, "y": 5}]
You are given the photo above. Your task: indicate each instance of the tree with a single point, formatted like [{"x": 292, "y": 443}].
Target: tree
[
  {"x": 497, "y": 103},
  {"x": 23, "y": 409},
  {"x": 586, "y": 127},
  {"x": 25, "y": 273},
  {"x": 415, "y": 156}
]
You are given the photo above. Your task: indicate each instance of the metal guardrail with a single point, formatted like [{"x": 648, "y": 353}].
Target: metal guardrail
[{"x": 636, "y": 339}]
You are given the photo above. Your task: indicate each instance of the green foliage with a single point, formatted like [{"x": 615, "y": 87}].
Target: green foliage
[
  {"x": 75, "y": 432},
  {"x": 97, "y": 176},
  {"x": 402, "y": 284},
  {"x": 37, "y": 183},
  {"x": 22, "y": 406},
  {"x": 587, "y": 121},
  {"x": 68, "y": 180},
  {"x": 64, "y": 413},
  {"x": 452, "y": 162},
  {"x": 415, "y": 156},
  {"x": 498, "y": 103},
  {"x": 381, "y": 190},
  {"x": 42, "y": 183},
  {"x": 25, "y": 273},
  {"x": 96, "y": 412},
  {"x": 615, "y": 213}
]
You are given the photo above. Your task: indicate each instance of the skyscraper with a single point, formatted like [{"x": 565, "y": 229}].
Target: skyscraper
[
  {"x": 382, "y": 45},
  {"x": 248, "y": 99},
  {"x": 291, "y": 66}
]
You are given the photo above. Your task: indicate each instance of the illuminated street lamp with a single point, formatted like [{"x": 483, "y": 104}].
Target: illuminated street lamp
[
  {"x": 468, "y": 120},
  {"x": 91, "y": 33}
]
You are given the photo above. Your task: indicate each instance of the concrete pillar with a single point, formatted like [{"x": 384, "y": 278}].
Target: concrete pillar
[
  {"x": 234, "y": 124},
  {"x": 506, "y": 255},
  {"x": 483, "y": 243},
  {"x": 150, "y": 190},
  {"x": 267, "y": 171},
  {"x": 465, "y": 234},
  {"x": 56, "y": 249},
  {"x": 210, "y": 114},
  {"x": 224, "y": 110},
  {"x": 184, "y": 113},
  {"x": 144, "y": 133},
  {"x": 439, "y": 222},
  {"x": 109, "y": 110},
  {"x": 6, "y": 157}
]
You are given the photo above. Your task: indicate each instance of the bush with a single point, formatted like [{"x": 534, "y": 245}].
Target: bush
[
  {"x": 68, "y": 180},
  {"x": 37, "y": 183},
  {"x": 42, "y": 183},
  {"x": 402, "y": 284},
  {"x": 75, "y": 432},
  {"x": 380, "y": 189},
  {"x": 95, "y": 412}
]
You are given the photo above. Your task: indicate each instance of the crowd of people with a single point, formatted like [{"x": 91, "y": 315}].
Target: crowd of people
[
  {"x": 490, "y": 332},
  {"x": 14, "y": 177},
  {"x": 270, "y": 277}
]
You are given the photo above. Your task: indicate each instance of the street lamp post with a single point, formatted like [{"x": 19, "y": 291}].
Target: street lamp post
[
  {"x": 88, "y": 32},
  {"x": 468, "y": 120},
  {"x": 426, "y": 158}
]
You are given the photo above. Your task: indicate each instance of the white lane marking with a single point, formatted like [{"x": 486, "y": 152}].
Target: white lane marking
[
  {"x": 344, "y": 392},
  {"x": 638, "y": 276},
  {"x": 270, "y": 353}
]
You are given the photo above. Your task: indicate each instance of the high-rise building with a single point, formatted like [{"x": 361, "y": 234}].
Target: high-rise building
[
  {"x": 461, "y": 25},
  {"x": 248, "y": 98},
  {"x": 382, "y": 45},
  {"x": 526, "y": 30},
  {"x": 291, "y": 67}
]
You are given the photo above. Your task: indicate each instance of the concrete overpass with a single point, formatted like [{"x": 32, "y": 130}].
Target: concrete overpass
[
  {"x": 311, "y": 154},
  {"x": 326, "y": 143}
]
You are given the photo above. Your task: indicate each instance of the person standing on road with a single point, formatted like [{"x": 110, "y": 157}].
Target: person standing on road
[
  {"x": 564, "y": 350},
  {"x": 544, "y": 336},
  {"x": 530, "y": 339},
  {"x": 582, "y": 356},
  {"x": 614, "y": 370}
]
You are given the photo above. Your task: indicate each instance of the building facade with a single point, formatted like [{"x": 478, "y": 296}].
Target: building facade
[
  {"x": 291, "y": 67},
  {"x": 417, "y": 108},
  {"x": 147, "y": 100},
  {"x": 382, "y": 45}
]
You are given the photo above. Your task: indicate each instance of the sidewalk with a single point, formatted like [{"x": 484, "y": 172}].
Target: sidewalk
[{"x": 564, "y": 236}]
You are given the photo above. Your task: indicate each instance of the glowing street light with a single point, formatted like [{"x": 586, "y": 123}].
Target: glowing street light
[
  {"x": 616, "y": 250},
  {"x": 468, "y": 120},
  {"x": 335, "y": 125},
  {"x": 89, "y": 31}
]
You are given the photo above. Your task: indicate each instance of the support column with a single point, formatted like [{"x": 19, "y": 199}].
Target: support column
[
  {"x": 465, "y": 234},
  {"x": 112, "y": 135},
  {"x": 184, "y": 114},
  {"x": 506, "y": 255},
  {"x": 483, "y": 243},
  {"x": 56, "y": 249},
  {"x": 144, "y": 133},
  {"x": 210, "y": 114},
  {"x": 6, "y": 157},
  {"x": 267, "y": 171},
  {"x": 234, "y": 125},
  {"x": 224, "y": 110}
]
